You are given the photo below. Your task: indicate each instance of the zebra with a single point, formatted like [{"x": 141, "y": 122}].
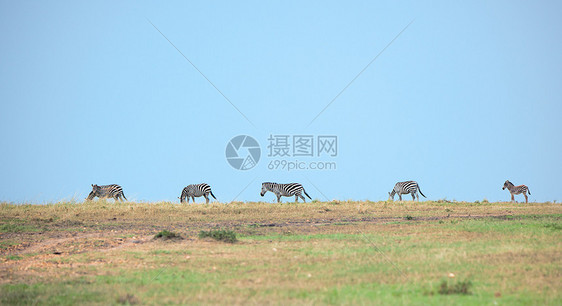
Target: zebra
[
  {"x": 107, "y": 191},
  {"x": 404, "y": 188},
  {"x": 516, "y": 190},
  {"x": 285, "y": 190},
  {"x": 196, "y": 190}
]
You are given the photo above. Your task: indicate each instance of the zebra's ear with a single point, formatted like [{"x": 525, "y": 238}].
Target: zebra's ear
[{"x": 92, "y": 185}]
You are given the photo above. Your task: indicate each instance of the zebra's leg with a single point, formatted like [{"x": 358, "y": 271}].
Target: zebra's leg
[
  {"x": 526, "y": 198},
  {"x": 206, "y": 198},
  {"x": 303, "y": 199},
  {"x": 400, "y": 197},
  {"x": 193, "y": 198},
  {"x": 296, "y": 198},
  {"x": 414, "y": 196},
  {"x": 278, "y": 198},
  {"x": 512, "y": 198}
]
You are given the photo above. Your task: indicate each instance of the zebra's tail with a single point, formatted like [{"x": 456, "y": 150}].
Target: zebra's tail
[
  {"x": 529, "y": 190},
  {"x": 212, "y": 194},
  {"x": 123, "y": 194},
  {"x": 421, "y": 192},
  {"x": 306, "y": 193}
]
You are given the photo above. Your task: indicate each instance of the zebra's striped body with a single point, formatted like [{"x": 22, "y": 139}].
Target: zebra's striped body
[
  {"x": 107, "y": 191},
  {"x": 410, "y": 187},
  {"x": 516, "y": 190},
  {"x": 196, "y": 190},
  {"x": 284, "y": 190}
]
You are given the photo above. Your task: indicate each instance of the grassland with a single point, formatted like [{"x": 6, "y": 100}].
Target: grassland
[{"x": 307, "y": 253}]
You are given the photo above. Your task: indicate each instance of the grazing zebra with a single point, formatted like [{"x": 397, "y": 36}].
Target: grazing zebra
[
  {"x": 285, "y": 190},
  {"x": 516, "y": 190},
  {"x": 107, "y": 191},
  {"x": 196, "y": 190},
  {"x": 404, "y": 188}
]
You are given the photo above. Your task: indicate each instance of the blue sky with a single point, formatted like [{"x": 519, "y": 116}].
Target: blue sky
[{"x": 467, "y": 96}]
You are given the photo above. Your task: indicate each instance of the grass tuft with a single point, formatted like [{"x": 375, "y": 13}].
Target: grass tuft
[
  {"x": 128, "y": 299},
  {"x": 219, "y": 235},
  {"x": 167, "y": 235},
  {"x": 460, "y": 287},
  {"x": 554, "y": 226}
]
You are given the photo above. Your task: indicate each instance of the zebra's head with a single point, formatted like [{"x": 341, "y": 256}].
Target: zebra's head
[
  {"x": 507, "y": 184},
  {"x": 391, "y": 194},
  {"x": 93, "y": 193},
  {"x": 264, "y": 188}
]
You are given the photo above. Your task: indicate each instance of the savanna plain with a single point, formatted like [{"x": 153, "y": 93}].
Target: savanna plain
[{"x": 338, "y": 252}]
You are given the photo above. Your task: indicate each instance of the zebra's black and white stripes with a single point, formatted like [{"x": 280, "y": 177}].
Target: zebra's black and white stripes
[
  {"x": 107, "y": 191},
  {"x": 516, "y": 190},
  {"x": 284, "y": 190},
  {"x": 196, "y": 190},
  {"x": 404, "y": 188}
]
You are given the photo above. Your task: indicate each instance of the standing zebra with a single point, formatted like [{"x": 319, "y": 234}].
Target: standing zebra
[
  {"x": 404, "y": 188},
  {"x": 196, "y": 190},
  {"x": 107, "y": 191},
  {"x": 516, "y": 190},
  {"x": 285, "y": 190}
]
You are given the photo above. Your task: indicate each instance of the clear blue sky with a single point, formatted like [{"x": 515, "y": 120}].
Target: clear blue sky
[{"x": 469, "y": 95}]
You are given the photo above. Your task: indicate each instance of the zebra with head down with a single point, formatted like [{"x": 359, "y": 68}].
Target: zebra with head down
[
  {"x": 107, "y": 191},
  {"x": 410, "y": 187},
  {"x": 196, "y": 190}
]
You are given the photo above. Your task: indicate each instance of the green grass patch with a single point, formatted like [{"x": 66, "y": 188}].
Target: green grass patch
[
  {"x": 13, "y": 257},
  {"x": 18, "y": 294},
  {"x": 527, "y": 224},
  {"x": 219, "y": 235},
  {"x": 290, "y": 236},
  {"x": 554, "y": 226},
  {"x": 18, "y": 228},
  {"x": 159, "y": 252},
  {"x": 7, "y": 244},
  {"x": 50, "y": 294}
]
